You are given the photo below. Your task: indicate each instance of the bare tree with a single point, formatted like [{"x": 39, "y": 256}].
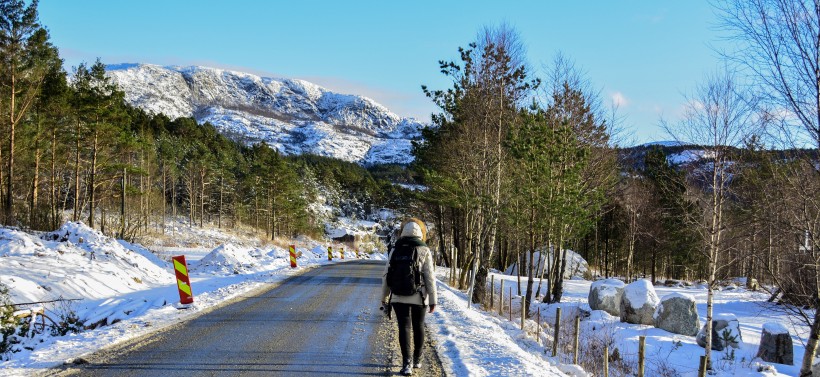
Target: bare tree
[
  {"x": 716, "y": 117},
  {"x": 778, "y": 42},
  {"x": 779, "y": 45}
]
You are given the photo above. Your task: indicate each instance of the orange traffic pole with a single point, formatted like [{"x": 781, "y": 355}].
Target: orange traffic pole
[
  {"x": 292, "y": 256},
  {"x": 186, "y": 296}
]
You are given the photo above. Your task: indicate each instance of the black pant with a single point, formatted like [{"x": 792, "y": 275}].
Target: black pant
[{"x": 404, "y": 314}]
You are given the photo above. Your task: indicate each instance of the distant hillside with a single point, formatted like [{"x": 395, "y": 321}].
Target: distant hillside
[{"x": 293, "y": 116}]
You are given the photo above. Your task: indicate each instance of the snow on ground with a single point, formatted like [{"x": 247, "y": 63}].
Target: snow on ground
[
  {"x": 473, "y": 343},
  {"x": 663, "y": 349},
  {"x": 126, "y": 291}
]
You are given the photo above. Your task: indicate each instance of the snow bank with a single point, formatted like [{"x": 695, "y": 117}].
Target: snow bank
[
  {"x": 228, "y": 258},
  {"x": 473, "y": 343},
  {"x": 75, "y": 262}
]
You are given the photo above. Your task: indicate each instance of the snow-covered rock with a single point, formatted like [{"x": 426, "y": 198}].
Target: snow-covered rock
[
  {"x": 776, "y": 344},
  {"x": 678, "y": 314},
  {"x": 639, "y": 302},
  {"x": 576, "y": 264},
  {"x": 292, "y": 116},
  {"x": 725, "y": 332},
  {"x": 606, "y": 295}
]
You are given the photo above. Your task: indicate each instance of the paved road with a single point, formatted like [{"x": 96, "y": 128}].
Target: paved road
[{"x": 322, "y": 322}]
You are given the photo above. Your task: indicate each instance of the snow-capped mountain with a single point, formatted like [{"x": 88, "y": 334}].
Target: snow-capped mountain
[{"x": 293, "y": 116}]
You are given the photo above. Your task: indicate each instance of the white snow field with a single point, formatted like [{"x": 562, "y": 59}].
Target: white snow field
[
  {"x": 667, "y": 354},
  {"x": 127, "y": 291}
]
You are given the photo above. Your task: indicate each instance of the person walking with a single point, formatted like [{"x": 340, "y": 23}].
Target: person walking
[{"x": 408, "y": 286}]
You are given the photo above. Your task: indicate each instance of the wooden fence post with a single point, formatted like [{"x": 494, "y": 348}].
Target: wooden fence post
[
  {"x": 492, "y": 291},
  {"x": 557, "y": 332},
  {"x": 577, "y": 339},
  {"x": 510, "y": 304},
  {"x": 702, "y": 366},
  {"x": 501, "y": 299},
  {"x": 606, "y": 361},
  {"x": 641, "y": 355},
  {"x": 538, "y": 327}
]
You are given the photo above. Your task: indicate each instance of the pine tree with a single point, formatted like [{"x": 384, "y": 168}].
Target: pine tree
[
  {"x": 26, "y": 57},
  {"x": 100, "y": 117},
  {"x": 677, "y": 238}
]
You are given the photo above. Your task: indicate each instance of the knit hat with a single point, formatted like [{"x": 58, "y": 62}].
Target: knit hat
[{"x": 414, "y": 227}]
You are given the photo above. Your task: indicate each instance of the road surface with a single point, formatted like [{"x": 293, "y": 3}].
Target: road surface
[{"x": 323, "y": 322}]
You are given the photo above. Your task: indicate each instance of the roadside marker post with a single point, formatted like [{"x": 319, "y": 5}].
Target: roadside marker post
[
  {"x": 186, "y": 296},
  {"x": 342, "y": 253},
  {"x": 330, "y": 253},
  {"x": 292, "y": 256}
]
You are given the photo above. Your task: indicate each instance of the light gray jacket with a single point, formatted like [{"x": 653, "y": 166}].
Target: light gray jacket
[{"x": 425, "y": 266}]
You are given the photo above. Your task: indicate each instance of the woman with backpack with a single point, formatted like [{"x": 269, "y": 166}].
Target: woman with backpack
[{"x": 409, "y": 287}]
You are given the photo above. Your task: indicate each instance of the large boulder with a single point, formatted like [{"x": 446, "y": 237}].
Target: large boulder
[
  {"x": 606, "y": 295},
  {"x": 678, "y": 314},
  {"x": 725, "y": 332},
  {"x": 776, "y": 344},
  {"x": 639, "y": 302}
]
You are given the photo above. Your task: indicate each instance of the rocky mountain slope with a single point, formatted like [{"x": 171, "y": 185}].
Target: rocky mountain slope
[{"x": 293, "y": 116}]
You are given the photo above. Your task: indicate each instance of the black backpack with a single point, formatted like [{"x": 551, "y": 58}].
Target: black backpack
[{"x": 403, "y": 275}]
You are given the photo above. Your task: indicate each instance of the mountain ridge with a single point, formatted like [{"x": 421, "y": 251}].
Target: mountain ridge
[{"x": 291, "y": 115}]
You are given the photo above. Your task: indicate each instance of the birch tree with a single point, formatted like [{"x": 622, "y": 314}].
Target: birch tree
[
  {"x": 778, "y": 46},
  {"x": 717, "y": 117}
]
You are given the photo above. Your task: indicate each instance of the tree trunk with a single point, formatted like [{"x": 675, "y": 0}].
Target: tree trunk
[
  {"x": 201, "y": 196},
  {"x": 76, "y": 216},
  {"x": 561, "y": 265},
  {"x": 164, "y": 197},
  {"x": 53, "y": 189},
  {"x": 93, "y": 182},
  {"x": 811, "y": 345},
  {"x": 35, "y": 182},
  {"x": 191, "y": 200},
  {"x": 530, "y": 267},
  {"x": 9, "y": 216},
  {"x": 173, "y": 199},
  {"x": 219, "y": 214},
  {"x": 122, "y": 203}
]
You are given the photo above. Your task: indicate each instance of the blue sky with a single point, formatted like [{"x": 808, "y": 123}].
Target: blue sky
[{"x": 645, "y": 53}]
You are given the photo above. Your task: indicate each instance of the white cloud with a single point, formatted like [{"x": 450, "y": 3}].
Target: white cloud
[{"x": 619, "y": 100}]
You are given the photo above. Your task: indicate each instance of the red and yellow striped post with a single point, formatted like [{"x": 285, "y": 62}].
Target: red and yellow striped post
[
  {"x": 292, "y": 256},
  {"x": 330, "y": 253},
  {"x": 342, "y": 253},
  {"x": 183, "y": 282}
]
